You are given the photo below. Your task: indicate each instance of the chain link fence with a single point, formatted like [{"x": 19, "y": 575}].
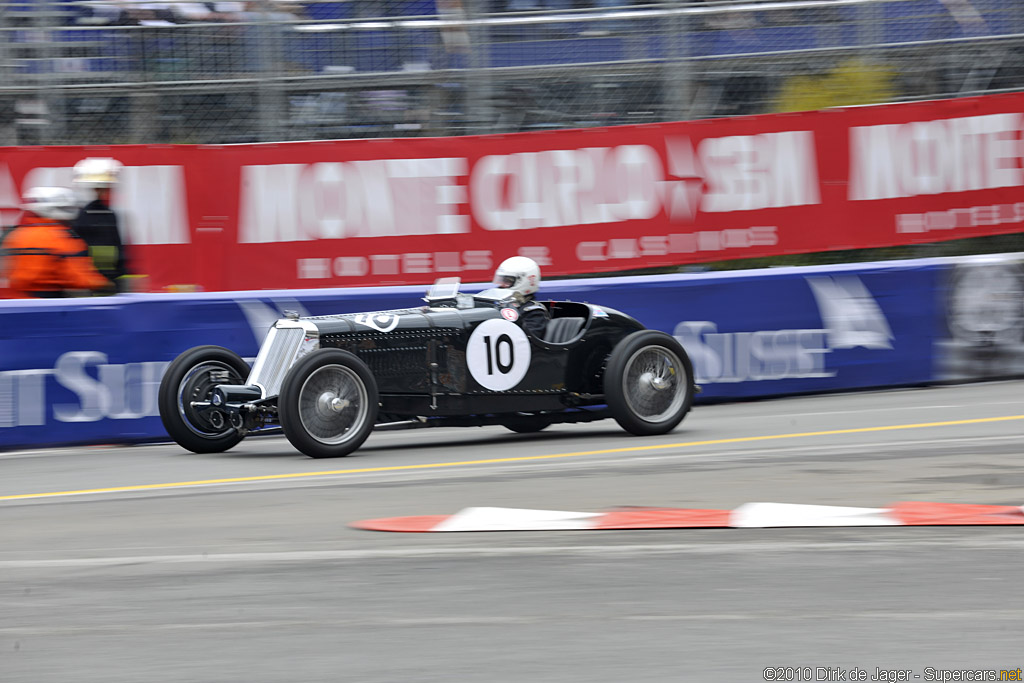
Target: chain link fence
[{"x": 109, "y": 72}]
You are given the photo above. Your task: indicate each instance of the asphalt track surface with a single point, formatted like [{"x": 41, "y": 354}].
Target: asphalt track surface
[{"x": 143, "y": 564}]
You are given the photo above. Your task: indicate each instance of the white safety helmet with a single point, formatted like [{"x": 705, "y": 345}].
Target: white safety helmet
[
  {"x": 520, "y": 274},
  {"x": 97, "y": 172},
  {"x": 57, "y": 203}
]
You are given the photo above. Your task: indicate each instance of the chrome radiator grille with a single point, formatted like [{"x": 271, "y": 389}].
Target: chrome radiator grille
[{"x": 276, "y": 357}]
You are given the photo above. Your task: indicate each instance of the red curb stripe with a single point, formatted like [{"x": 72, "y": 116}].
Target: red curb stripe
[
  {"x": 913, "y": 513},
  {"x": 662, "y": 518},
  {"x": 401, "y": 524},
  {"x": 950, "y": 514}
]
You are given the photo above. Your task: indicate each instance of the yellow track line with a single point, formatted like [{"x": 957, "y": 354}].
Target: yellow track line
[{"x": 523, "y": 458}]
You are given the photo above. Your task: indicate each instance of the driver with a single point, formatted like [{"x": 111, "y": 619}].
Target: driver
[{"x": 522, "y": 276}]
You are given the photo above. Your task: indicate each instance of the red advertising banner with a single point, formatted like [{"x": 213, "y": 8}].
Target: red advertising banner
[{"x": 408, "y": 210}]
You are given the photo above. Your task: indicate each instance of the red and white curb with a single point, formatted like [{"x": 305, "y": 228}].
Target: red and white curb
[{"x": 747, "y": 516}]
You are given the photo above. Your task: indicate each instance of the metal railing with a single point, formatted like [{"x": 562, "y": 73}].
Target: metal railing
[{"x": 108, "y": 71}]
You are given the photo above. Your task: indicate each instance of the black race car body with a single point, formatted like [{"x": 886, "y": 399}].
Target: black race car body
[{"x": 328, "y": 381}]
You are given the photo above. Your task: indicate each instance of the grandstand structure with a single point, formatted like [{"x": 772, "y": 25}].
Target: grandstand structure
[{"x": 166, "y": 71}]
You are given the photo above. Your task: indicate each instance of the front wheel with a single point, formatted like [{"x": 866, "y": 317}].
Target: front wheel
[
  {"x": 648, "y": 383},
  {"x": 328, "y": 404},
  {"x": 190, "y": 379}
]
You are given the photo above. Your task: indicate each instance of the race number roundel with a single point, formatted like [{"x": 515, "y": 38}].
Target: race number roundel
[{"x": 498, "y": 354}]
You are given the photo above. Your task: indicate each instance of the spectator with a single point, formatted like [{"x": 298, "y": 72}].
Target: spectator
[
  {"x": 149, "y": 14},
  {"x": 268, "y": 11},
  {"x": 548, "y": 5},
  {"x": 43, "y": 257},
  {"x": 967, "y": 16},
  {"x": 187, "y": 12},
  {"x": 455, "y": 37},
  {"x": 97, "y": 223}
]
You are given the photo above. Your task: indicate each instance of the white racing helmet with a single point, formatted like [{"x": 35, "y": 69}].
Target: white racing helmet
[
  {"x": 97, "y": 172},
  {"x": 57, "y": 203},
  {"x": 520, "y": 274}
]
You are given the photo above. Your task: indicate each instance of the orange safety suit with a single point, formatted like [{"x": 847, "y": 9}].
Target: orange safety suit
[{"x": 45, "y": 258}]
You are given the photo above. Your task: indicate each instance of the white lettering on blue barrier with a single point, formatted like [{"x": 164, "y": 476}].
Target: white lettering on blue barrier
[
  {"x": 101, "y": 390},
  {"x": 850, "y": 318},
  {"x": 22, "y": 398},
  {"x": 753, "y": 356},
  {"x": 71, "y": 373}
]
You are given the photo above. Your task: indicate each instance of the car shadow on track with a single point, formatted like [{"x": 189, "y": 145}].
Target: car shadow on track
[{"x": 552, "y": 439}]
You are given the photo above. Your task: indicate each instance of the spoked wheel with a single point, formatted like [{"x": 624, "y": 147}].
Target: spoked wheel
[
  {"x": 328, "y": 404},
  {"x": 648, "y": 383},
  {"x": 190, "y": 379}
]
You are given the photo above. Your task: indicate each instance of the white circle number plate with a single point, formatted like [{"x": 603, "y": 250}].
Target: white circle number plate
[{"x": 498, "y": 354}]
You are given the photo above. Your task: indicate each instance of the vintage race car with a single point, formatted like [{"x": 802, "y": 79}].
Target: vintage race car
[{"x": 460, "y": 360}]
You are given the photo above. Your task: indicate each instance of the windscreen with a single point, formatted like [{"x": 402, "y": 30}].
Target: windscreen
[
  {"x": 444, "y": 288},
  {"x": 495, "y": 294}
]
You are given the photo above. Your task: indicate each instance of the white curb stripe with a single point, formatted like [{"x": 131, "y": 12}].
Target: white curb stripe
[
  {"x": 764, "y": 515},
  {"x": 514, "y": 519}
]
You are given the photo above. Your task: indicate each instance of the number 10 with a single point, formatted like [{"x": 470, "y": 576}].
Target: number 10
[{"x": 494, "y": 355}]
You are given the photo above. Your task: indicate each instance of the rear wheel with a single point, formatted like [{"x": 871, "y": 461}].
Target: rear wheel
[
  {"x": 328, "y": 404},
  {"x": 189, "y": 379},
  {"x": 648, "y": 383}
]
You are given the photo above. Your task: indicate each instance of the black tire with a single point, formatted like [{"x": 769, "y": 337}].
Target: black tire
[
  {"x": 192, "y": 377},
  {"x": 526, "y": 424},
  {"x": 648, "y": 383},
  {"x": 328, "y": 404}
]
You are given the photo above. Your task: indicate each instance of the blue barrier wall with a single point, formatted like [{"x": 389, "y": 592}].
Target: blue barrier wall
[
  {"x": 87, "y": 371},
  {"x": 784, "y": 331}
]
